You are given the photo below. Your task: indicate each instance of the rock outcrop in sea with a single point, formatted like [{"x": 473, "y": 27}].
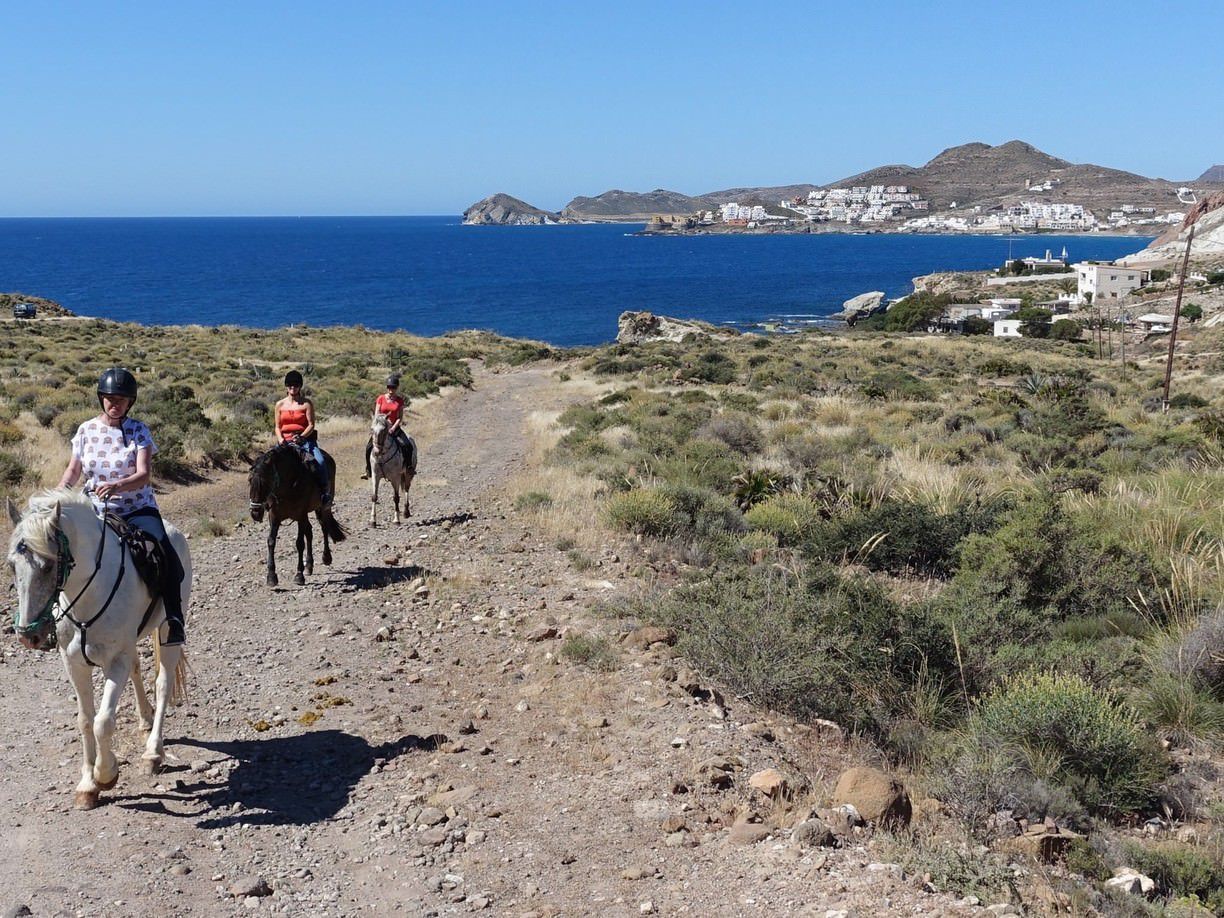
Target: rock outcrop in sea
[{"x": 505, "y": 210}]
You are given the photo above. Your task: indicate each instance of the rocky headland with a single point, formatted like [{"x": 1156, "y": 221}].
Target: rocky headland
[{"x": 505, "y": 210}]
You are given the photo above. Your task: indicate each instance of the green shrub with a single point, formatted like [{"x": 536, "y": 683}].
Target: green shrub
[
  {"x": 790, "y": 518},
  {"x": 698, "y": 514},
  {"x": 711, "y": 367},
  {"x": 12, "y": 470},
  {"x": 896, "y": 384},
  {"x": 533, "y": 500},
  {"x": 1181, "y": 870},
  {"x": 590, "y": 650},
  {"x": 645, "y": 511},
  {"x": 1102, "y": 756}
]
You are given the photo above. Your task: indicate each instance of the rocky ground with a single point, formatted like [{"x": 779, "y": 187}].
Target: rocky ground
[{"x": 402, "y": 735}]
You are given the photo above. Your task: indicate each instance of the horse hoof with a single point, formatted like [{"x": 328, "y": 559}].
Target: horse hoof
[
  {"x": 310, "y": 568},
  {"x": 327, "y": 558},
  {"x": 272, "y": 581},
  {"x": 107, "y": 785},
  {"x": 150, "y": 766},
  {"x": 85, "y": 800},
  {"x": 300, "y": 579}
]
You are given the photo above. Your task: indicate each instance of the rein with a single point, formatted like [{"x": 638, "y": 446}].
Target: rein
[{"x": 386, "y": 455}]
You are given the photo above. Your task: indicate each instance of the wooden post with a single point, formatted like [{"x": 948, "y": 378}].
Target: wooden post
[{"x": 1181, "y": 286}]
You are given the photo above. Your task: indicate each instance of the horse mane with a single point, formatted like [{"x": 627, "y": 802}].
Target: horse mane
[{"x": 37, "y": 527}]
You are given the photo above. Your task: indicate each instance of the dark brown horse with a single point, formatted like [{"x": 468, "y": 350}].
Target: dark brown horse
[{"x": 282, "y": 484}]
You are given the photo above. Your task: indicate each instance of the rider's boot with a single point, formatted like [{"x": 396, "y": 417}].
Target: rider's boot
[
  {"x": 369, "y": 450},
  {"x": 172, "y": 597}
]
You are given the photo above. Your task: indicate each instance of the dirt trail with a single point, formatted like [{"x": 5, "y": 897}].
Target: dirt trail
[{"x": 455, "y": 765}]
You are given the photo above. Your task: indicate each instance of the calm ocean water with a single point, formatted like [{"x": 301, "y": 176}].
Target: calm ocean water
[{"x": 429, "y": 275}]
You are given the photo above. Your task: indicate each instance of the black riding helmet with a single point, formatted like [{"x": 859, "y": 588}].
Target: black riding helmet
[
  {"x": 118, "y": 381},
  {"x": 393, "y": 381},
  {"x": 293, "y": 378}
]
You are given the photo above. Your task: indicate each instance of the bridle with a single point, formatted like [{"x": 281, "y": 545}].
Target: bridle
[
  {"x": 64, "y": 562},
  {"x": 270, "y": 498},
  {"x": 386, "y": 455}
]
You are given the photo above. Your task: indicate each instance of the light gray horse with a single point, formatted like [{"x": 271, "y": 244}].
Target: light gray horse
[
  {"x": 389, "y": 460},
  {"x": 68, "y": 569}
]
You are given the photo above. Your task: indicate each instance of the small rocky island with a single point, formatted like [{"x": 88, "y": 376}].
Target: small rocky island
[{"x": 504, "y": 210}]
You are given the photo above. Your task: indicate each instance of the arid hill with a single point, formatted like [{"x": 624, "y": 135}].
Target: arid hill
[
  {"x": 504, "y": 210},
  {"x": 972, "y": 174}
]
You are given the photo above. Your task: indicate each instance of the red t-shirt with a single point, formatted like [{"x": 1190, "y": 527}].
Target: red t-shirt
[{"x": 390, "y": 405}]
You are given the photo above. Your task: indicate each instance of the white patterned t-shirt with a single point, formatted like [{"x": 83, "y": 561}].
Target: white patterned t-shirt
[{"x": 108, "y": 454}]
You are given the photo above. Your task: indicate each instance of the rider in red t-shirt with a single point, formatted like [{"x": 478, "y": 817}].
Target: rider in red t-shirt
[{"x": 392, "y": 404}]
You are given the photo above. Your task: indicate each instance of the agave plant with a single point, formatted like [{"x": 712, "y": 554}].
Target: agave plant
[{"x": 754, "y": 485}]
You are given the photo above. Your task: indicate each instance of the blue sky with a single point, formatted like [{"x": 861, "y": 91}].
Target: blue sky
[{"x": 130, "y": 108}]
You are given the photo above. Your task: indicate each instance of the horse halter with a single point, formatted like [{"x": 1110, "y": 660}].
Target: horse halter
[{"x": 46, "y": 616}]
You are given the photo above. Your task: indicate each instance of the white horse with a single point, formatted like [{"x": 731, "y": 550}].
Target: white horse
[
  {"x": 388, "y": 460},
  {"x": 72, "y": 591}
]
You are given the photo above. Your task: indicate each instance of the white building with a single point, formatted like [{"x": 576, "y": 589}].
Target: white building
[
  {"x": 1007, "y": 328},
  {"x": 1098, "y": 283}
]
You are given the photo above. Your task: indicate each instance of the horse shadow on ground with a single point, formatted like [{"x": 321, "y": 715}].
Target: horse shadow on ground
[
  {"x": 374, "y": 578},
  {"x": 454, "y": 518},
  {"x": 286, "y": 781}
]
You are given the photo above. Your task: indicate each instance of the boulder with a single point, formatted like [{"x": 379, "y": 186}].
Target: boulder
[
  {"x": 642, "y": 638},
  {"x": 1126, "y": 879},
  {"x": 813, "y": 833},
  {"x": 1042, "y": 843},
  {"x": 862, "y": 306},
  {"x": 878, "y": 797},
  {"x": 770, "y": 782},
  {"x": 643, "y": 327}
]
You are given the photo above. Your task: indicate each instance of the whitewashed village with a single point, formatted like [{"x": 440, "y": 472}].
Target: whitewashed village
[{"x": 904, "y": 209}]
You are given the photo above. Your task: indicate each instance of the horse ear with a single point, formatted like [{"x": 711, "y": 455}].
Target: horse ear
[{"x": 12, "y": 511}]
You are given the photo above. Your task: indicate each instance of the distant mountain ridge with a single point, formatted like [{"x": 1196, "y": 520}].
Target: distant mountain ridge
[
  {"x": 505, "y": 210},
  {"x": 1214, "y": 174},
  {"x": 970, "y": 175}
]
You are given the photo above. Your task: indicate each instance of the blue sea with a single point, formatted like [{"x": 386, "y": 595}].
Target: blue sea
[{"x": 429, "y": 275}]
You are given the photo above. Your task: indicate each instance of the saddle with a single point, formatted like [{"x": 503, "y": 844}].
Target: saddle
[{"x": 145, "y": 551}]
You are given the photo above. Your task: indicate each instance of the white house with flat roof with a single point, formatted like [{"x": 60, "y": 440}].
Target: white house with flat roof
[
  {"x": 1007, "y": 328},
  {"x": 1097, "y": 283}
]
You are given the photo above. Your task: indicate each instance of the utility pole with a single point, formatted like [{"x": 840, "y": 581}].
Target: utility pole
[{"x": 1181, "y": 286}]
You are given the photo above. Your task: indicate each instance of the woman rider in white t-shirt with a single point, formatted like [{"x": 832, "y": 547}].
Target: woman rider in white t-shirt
[{"x": 114, "y": 452}]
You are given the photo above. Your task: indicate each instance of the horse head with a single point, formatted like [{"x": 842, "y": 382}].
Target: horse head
[
  {"x": 40, "y": 561},
  {"x": 378, "y": 431},
  {"x": 262, "y": 480}
]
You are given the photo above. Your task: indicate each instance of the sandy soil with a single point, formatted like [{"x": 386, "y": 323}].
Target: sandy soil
[{"x": 401, "y": 735}]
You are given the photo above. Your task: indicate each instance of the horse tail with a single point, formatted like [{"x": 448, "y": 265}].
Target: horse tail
[
  {"x": 178, "y": 687},
  {"x": 331, "y": 525}
]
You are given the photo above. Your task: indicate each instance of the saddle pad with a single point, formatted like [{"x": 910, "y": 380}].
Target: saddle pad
[{"x": 146, "y": 552}]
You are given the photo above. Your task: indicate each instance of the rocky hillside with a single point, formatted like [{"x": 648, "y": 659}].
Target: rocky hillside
[
  {"x": 504, "y": 210},
  {"x": 1214, "y": 175},
  {"x": 1207, "y": 218},
  {"x": 45, "y": 307},
  {"x": 968, "y": 175},
  {"x": 979, "y": 174}
]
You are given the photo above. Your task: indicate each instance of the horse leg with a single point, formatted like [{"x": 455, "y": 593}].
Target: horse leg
[
  {"x": 375, "y": 478},
  {"x": 395, "y": 494},
  {"x": 81, "y": 675},
  {"x": 273, "y": 528},
  {"x": 142, "y": 698},
  {"x": 300, "y": 578},
  {"x": 309, "y": 530},
  {"x": 408, "y": 476},
  {"x": 327, "y": 556},
  {"x": 106, "y": 766},
  {"x": 167, "y": 667}
]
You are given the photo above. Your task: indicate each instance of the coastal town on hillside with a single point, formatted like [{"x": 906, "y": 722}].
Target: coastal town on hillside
[{"x": 904, "y": 209}]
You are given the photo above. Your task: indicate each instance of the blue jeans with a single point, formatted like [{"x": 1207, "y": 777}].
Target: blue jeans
[
  {"x": 148, "y": 519},
  {"x": 310, "y": 449}
]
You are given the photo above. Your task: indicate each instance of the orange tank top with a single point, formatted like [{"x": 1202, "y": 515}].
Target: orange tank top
[{"x": 292, "y": 421}]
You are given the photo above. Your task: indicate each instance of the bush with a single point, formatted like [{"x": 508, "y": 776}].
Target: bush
[
  {"x": 1181, "y": 870},
  {"x": 645, "y": 511},
  {"x": 591, "y": 650},
  {"x": 1096, "y": 747},
  {"x": 791, "y": 518},
  {"x": 1065, "y": 330},
  {"x": 738, "y": 431},
  {"x": 896, "y": 384},
  {"x": 698, "y": 514},
  {"x": 533, "y": 500}
]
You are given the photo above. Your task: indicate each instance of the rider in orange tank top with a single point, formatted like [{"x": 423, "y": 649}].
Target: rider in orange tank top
[
  {"x": 295, "y": 424},
  {"x": 392, "y": 404}
]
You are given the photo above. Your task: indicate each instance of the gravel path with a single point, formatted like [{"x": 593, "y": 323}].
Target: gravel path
[{"x": 400, "y": 736}]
